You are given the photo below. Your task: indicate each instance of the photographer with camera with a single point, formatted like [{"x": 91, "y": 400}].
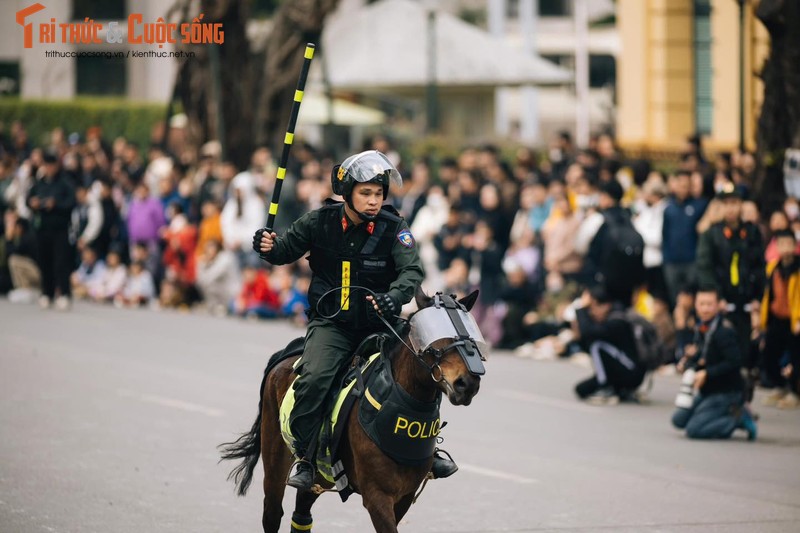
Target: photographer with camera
[{"x": 711, "y": 400}]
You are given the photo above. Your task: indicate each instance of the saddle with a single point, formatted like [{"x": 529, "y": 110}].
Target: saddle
[{"x": 403, "y": 428}]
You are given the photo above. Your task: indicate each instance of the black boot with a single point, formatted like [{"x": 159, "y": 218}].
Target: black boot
[
  {"x": 303, "y": 474},
  {"x": 443, "y": 467}
]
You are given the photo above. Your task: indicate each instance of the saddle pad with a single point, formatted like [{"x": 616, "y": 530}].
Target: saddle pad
[{"x": 324, "y": 454}]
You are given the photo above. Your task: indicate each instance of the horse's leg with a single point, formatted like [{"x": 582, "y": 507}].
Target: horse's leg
[
  {"x": 401, "y": 507},
  {"x": 381, "y": 509},
  {"x": 301, "y": 518},
  {"x": 277, "y": 461}
]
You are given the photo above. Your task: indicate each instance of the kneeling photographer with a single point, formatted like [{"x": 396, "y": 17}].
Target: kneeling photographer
[{"x": 710, "y": 404}]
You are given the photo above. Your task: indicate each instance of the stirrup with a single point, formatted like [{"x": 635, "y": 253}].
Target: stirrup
[
  {"x": 443, "y": 467},
  {"x": 304, "y": 473}
]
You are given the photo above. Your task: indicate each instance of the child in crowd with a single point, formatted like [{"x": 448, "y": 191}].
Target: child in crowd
[
  {"x": 112, "y": 280},
  {"x": 89, "y": 274},
  {"x": 139, "y": 288},
  {"x": 256, "y": 299}
]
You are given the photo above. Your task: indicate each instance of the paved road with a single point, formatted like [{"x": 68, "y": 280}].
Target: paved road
[{"x": 109, "y": 421}]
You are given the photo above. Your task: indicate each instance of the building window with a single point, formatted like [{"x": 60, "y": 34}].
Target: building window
[
  {"x": 106, "y": 10},
  {"x": 703, "y": 103},
  {"x": 555, "y": 8},
  {"x": 602, "y": 71},
  {"x": 9, "y": 78},
  {"x": 101, "y": 76}
]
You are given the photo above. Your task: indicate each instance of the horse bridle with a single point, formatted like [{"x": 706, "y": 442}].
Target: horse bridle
[{"x": 463, "y": 342}]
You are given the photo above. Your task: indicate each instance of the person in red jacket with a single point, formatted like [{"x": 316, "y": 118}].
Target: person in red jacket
[
  {"x": 179, "y": 257},
  {"x": 256, "y": 299}
]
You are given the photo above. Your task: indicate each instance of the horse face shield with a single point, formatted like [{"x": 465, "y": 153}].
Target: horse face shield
[{"x": 448, "y": 320}]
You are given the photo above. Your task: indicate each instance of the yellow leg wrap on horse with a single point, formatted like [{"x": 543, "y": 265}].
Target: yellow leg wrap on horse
[{"x": 296, "y": 528}]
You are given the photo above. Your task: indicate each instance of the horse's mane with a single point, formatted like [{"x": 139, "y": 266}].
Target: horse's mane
[{"x": 393, "y": 345}]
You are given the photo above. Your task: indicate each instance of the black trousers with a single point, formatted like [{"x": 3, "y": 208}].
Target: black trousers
[
  {"x": 778, "y": 340},
  {"x": 327, "y": 350},
  {"x": 744, "y": 330},
  {"x": 55, "y": 261},
  {"x": 612, "y": 368}
]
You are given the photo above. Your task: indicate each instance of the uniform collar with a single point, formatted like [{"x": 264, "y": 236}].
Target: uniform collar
[{"x": 347, "y": 223}]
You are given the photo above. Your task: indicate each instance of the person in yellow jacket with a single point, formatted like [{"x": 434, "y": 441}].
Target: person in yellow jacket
[{"x": 780, "y": 321}]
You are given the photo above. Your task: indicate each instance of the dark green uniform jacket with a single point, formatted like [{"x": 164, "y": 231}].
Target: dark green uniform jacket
[
  {"x": 381, "y": 255},
  {"x": 732, "y": 260}
]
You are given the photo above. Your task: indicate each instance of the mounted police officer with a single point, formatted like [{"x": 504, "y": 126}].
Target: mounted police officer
[{"x": 358, "y": 242}]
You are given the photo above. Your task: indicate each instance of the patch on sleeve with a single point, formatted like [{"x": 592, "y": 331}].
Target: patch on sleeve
[{"x": 405, "y": 238}]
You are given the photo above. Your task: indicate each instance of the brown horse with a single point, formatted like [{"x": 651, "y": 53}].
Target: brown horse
[{"x": 387, "y": 488}]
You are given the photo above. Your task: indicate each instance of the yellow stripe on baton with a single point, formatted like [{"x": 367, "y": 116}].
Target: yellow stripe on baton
[{"x": 289, "y": 138}]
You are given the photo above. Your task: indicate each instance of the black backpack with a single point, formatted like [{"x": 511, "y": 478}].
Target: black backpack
[
  {"x": 652, "y": 352},
  {"x": 623, "y": 254}
]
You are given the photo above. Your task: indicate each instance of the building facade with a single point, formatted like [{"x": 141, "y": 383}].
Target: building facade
[
  {"x": 679, "y": 73},
  {"x": 37, "y": 72}
]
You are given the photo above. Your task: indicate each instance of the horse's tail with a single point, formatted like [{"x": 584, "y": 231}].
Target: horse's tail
[{"x": 247, "y": 447}]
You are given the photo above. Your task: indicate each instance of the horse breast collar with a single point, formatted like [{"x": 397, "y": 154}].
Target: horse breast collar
[{"x": 402, "y": 427}]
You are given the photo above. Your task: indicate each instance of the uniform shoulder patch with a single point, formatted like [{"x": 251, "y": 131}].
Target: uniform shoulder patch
[{"x": 405, "y": 238}]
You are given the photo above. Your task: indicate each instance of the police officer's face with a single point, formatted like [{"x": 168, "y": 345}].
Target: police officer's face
[
  {"x": 732, "y": 209},
  {"x": 367, "y": 198}
]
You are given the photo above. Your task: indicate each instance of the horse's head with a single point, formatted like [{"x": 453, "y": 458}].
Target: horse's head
[{"x": 449, "y": 342}]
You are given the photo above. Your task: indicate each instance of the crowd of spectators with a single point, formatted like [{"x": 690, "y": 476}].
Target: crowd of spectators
[{"x": 173, "y": 228}]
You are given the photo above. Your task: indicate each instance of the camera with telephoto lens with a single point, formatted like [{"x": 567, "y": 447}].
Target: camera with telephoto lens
[{"x": 686, "y": 392}]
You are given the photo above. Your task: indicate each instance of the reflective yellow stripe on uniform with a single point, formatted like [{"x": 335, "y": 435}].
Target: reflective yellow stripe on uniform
[
  {"x": 735, "y": 269},
  {"x": 345, "y": 285},
  {"x": 298, "y": 527},
  {"x": 372, "y": 400}
]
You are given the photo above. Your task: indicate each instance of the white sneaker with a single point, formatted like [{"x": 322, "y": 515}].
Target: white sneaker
[
  {"x": 62, "y": 303},
  {"x": 22, "y": 296},
  {"x": 44, "y": 302}
]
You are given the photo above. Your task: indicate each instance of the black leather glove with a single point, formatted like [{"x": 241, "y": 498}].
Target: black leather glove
[
  {"x": 257, "y": 240},
  {"x": 388, "y": 306}
]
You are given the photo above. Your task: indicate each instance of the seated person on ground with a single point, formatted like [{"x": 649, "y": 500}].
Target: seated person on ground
[
  {"x": 139, "y": 287},
  {"x": 89, "y": 273}
]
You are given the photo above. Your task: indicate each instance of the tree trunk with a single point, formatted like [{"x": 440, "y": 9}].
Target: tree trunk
[
  {"x": 219, "y": 75},
  {"x": 296, "y": 23},
  {"x": 779, "y": 123},
  {"x": 254, "y": 88}
]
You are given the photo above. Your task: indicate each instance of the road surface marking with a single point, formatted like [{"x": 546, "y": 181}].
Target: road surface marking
[
  {"x": 551, "y": 402},
  {"x": 174, "y": 403},
  {"x": 497, "y": 474}
]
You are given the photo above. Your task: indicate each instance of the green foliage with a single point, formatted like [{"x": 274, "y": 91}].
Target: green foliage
[
  {"x": 435, "y": 147},
  {"x": 117, "y": 117}
]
